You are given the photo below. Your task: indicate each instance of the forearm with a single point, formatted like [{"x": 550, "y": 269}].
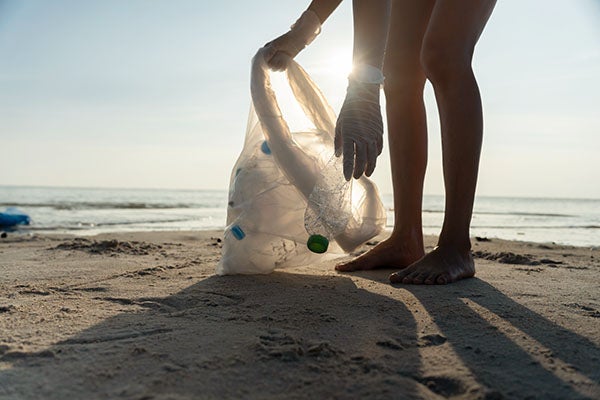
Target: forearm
[
  {"x": 371, "y": 21},
  {"x": 323, "y": 8}
]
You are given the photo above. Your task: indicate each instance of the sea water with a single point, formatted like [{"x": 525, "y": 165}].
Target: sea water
[{"x": 86, "y": 211}]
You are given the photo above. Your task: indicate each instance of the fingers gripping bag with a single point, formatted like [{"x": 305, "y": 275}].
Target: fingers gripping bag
[{"x": 289, "y": 204}]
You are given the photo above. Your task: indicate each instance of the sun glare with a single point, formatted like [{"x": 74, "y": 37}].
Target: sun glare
[
  {"x": 290, "y": 109},
  {"x": 339, "y": 66},
  {"x": 337, "y": 63}
]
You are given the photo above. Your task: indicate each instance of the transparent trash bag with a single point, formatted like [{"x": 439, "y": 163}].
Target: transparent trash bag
[{"x": 287, "y": 186}]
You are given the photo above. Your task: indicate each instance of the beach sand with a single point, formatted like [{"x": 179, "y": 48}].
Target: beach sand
[{"x": 142, "y": 316}]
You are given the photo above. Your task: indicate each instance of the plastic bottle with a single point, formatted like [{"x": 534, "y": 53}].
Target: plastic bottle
[
  {"x": 329, "y": 207},
  {"x": 237, "y": 231}
]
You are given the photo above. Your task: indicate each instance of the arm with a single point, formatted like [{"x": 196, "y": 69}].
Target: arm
[
  {"x": 323, "y": 8},
  {"x": 300, "y": 35},
  {"x": 359, "y": 129}
]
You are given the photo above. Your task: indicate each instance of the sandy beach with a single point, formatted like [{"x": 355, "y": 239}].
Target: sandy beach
[{"x": 142, "y": 316}]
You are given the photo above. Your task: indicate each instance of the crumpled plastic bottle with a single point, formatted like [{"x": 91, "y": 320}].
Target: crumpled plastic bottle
[{"x": 329, "y": 207}]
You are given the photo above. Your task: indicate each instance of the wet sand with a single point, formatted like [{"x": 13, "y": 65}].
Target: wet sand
[{"x": 142, "y": 316}]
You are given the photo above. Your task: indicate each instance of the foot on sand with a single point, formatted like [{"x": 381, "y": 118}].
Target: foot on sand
[
  {"x": 390, "y": 253},
  {"x": 443, "y": 265}
]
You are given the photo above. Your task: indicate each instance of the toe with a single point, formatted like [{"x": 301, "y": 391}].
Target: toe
[
  {"x": 356, "y": 264},
  {"x": 419, "y": 278},
  {"x": 397, "y": 277},
  {"x": 407, "y": 279},
  {"x": 404, "y": 276},
  {"x": 410, "y": 278},
  {"x": 347, "y": 267},
  {"x": 430, "y": 280},
  {"x": 442, "y": 279}
]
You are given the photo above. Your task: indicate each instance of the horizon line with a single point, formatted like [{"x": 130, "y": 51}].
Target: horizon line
[{"x": 226, "y": 189}]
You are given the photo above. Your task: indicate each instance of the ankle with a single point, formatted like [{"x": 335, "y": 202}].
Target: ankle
[
  {"x": 462, "y": 245},
  {"x": 408, "y": 240}
]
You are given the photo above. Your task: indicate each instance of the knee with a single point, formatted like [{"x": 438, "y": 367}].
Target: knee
[
  {"x": 403, "y": 79},
  {"x": 443, "y": 63}
]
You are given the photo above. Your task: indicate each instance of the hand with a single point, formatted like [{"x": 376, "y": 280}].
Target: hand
[
  {"x": 281, "y": 50},
  {"x": 359, "y": 129}
]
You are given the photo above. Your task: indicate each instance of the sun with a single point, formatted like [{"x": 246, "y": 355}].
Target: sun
[
  {"x": 339, "y": 64},
  {"x": 336, "y": 63}
]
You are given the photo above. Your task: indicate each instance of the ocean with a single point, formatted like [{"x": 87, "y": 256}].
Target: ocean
[{"x": 88, "y": 211}]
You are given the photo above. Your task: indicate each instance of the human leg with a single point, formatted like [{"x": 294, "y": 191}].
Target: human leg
[
  {"x": 407, "y": 133},
  {"x": 453, "y": 31}
]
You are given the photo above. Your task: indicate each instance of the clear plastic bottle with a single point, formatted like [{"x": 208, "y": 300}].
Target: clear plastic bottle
[{"x": 329, "y": 207}]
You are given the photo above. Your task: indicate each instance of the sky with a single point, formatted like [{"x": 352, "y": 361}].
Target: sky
[{"x": 155, "y": 94}]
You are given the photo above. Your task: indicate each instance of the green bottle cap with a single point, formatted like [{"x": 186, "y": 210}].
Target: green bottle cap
[{"x": 317, "y": 243}]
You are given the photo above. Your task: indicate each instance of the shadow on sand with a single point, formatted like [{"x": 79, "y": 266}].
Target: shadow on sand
[{"x": 243, "y": 337}]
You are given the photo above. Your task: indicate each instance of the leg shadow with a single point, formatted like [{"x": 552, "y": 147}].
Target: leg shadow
[
  {"x": 510, "y": 347},
  {"x": 277, "y": 336}
]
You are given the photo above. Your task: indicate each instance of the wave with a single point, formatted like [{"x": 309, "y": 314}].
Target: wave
[
  {"x": 390, "y": 225},
  {"x": 518, "y": 213},
  {"x": 161, "y": 221},
  {"x": 92, "y": 225},
  {"x": 91, "y": 205},
  {"x": 525, "y": 226}
]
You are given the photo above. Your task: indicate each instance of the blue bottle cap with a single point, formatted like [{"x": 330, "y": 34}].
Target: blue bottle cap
[
  {"x": 317, "y": 243},
  {"x": 237, "y": 232},
  {"x": 265, "y": 148}
]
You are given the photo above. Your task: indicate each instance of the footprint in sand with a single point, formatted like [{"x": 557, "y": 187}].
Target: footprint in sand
[
  {"x": 584, "y": 310},
  {"x": 390, "y": 344},
  {"x": 506, "y": 258},
  {"x": 109, "y": 247},
  {"x": 444, "y": 385},
  {"x": 434, "y": 339},
  {"x": 284, "y": 347}
]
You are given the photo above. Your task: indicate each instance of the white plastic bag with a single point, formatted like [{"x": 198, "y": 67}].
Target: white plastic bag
[{"x": 282, "y": 181}]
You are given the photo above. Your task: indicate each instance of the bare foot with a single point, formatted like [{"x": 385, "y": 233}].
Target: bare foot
[
  {"x": 443, "y": 265},
  {"x": 390, "y": 253}
]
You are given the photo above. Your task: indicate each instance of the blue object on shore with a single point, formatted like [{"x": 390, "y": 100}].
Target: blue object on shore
[{"x": 12, "y": 216}]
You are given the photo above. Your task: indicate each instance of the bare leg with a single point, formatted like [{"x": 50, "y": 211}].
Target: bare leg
[
  {"x": 405, "y": 80},
  {"x": 453, "y": 31}
]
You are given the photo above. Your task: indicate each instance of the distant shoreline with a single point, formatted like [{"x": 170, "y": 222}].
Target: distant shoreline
[
  {"x": 93, "y": 211},
  {"x": 225, "y": 190}
]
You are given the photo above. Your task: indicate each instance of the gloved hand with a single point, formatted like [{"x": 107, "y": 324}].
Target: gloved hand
[
  {"x": 359, "y": 129},
  {"x": 288, "y": 45}
]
